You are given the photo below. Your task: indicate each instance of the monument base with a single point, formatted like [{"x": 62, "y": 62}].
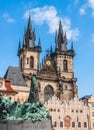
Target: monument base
[{"x": 25, "y": 125}]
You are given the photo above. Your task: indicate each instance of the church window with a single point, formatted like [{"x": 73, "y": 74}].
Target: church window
[
  {"x": 27, "y": 60},
  {"x": 76, "y": 111},
  {"x": 66, "y": 87},
  {"x": 48, "y": 92},
  {"x": 65, "y": 65},
  {"x": 61, "y": 124},
  {"x": 85, "y": 124},
  {"x": 79, "y": 124},
  {"x": 31, "y": 62},
  {"x": 55, "y": 124},
  {"x": 73, "y": 124}
]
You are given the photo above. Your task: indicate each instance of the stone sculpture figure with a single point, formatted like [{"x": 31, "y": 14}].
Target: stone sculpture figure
[{"x": 33, "y": 96}]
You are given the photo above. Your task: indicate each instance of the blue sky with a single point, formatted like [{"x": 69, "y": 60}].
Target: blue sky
[{"x": 77, "y": 17}]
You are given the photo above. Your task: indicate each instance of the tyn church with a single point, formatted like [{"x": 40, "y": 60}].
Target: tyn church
[{"x": 55, "y": 75}]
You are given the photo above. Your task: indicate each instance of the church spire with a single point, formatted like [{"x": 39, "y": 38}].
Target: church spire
[
  {"x": 51, "y": 50},
  {"x": 61, "y": 39},
  {"x": 19, "y": 47},
  {"x": 24, "y": 42},
  {"x": 29, "y": 24},
  {"x": 60, "y": 27},
  {"x": 72, "y": 46},
  {"x": 56, "y": 40},
  {"x": 39, "y": 45},
  {"x": 30, "y": 35}
]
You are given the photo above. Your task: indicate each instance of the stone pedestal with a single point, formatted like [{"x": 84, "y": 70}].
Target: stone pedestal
[{"x": 25, "y": 125}]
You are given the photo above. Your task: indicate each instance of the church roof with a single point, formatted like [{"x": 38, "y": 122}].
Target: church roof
[{"x": 15, "y": 76}]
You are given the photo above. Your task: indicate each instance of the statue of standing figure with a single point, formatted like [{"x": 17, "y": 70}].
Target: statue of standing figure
[{"x": 34, "y": 89}]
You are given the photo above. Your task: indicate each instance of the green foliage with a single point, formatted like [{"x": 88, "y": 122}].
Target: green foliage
[{"x": 4, "y": 107}]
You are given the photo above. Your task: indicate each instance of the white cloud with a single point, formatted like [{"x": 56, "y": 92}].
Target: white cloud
[
  {"x": 91, "y": 3},
  {"x": 88, "y": 4},
  {"x": 92, "y": 38},
  {"x": 82, "y": 11},
  {"x": 49, "y": 15},
  {"x": 8, "y": 18},
  {"x": 76, "y": 2},
  {"x": 5, "y": 15}
]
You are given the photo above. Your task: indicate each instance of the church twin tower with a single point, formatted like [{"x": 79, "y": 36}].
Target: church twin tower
[{"x": 55, "y": 75}]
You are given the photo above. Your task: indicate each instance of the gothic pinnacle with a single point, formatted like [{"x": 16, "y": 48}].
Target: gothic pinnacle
[
  {"x": 51, "y": 50},
  {"x": 29, "y": 23},
  {"x": 72, "y": 46},
  {"x": 19, "y": 47}
]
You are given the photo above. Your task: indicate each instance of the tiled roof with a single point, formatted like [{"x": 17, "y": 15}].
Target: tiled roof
[
  {"x": 15, "y": 76},
  {"x": 8, "y": 88}
]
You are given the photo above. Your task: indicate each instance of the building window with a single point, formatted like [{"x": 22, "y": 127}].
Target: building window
[
  {"x": 73, "y": 124},
  {"x": 76, "y": 111},
  {"x": 85, "y": 124},
  {"x": 65, "y": 66},
  {"x": 55, "y": 124},
  {"x": 61, "y": 124},
  {"x": 72, "y": 110},
  {"x": 81, "y": 111},
  {"x": 27, "y": 60},
  {"x": 93, "y": 105},
  {"x": 93, "y": 114},
  {"x": 66, "y": 87},
  {"x": 31, "y": 62},
  {"x": 51, "y": 110},
  {"x": 79, "y": 124},
  {"x": 58, "y": 110},
  {"x": 93, "y": 124},
  {"x": 1, "y": 84}
]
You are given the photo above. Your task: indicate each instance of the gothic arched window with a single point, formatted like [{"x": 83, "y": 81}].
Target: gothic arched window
[
  {"x": 65, "y": 65},
  {"x": 31, "y": 62},
  {"x": 48, "y": 92}
]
